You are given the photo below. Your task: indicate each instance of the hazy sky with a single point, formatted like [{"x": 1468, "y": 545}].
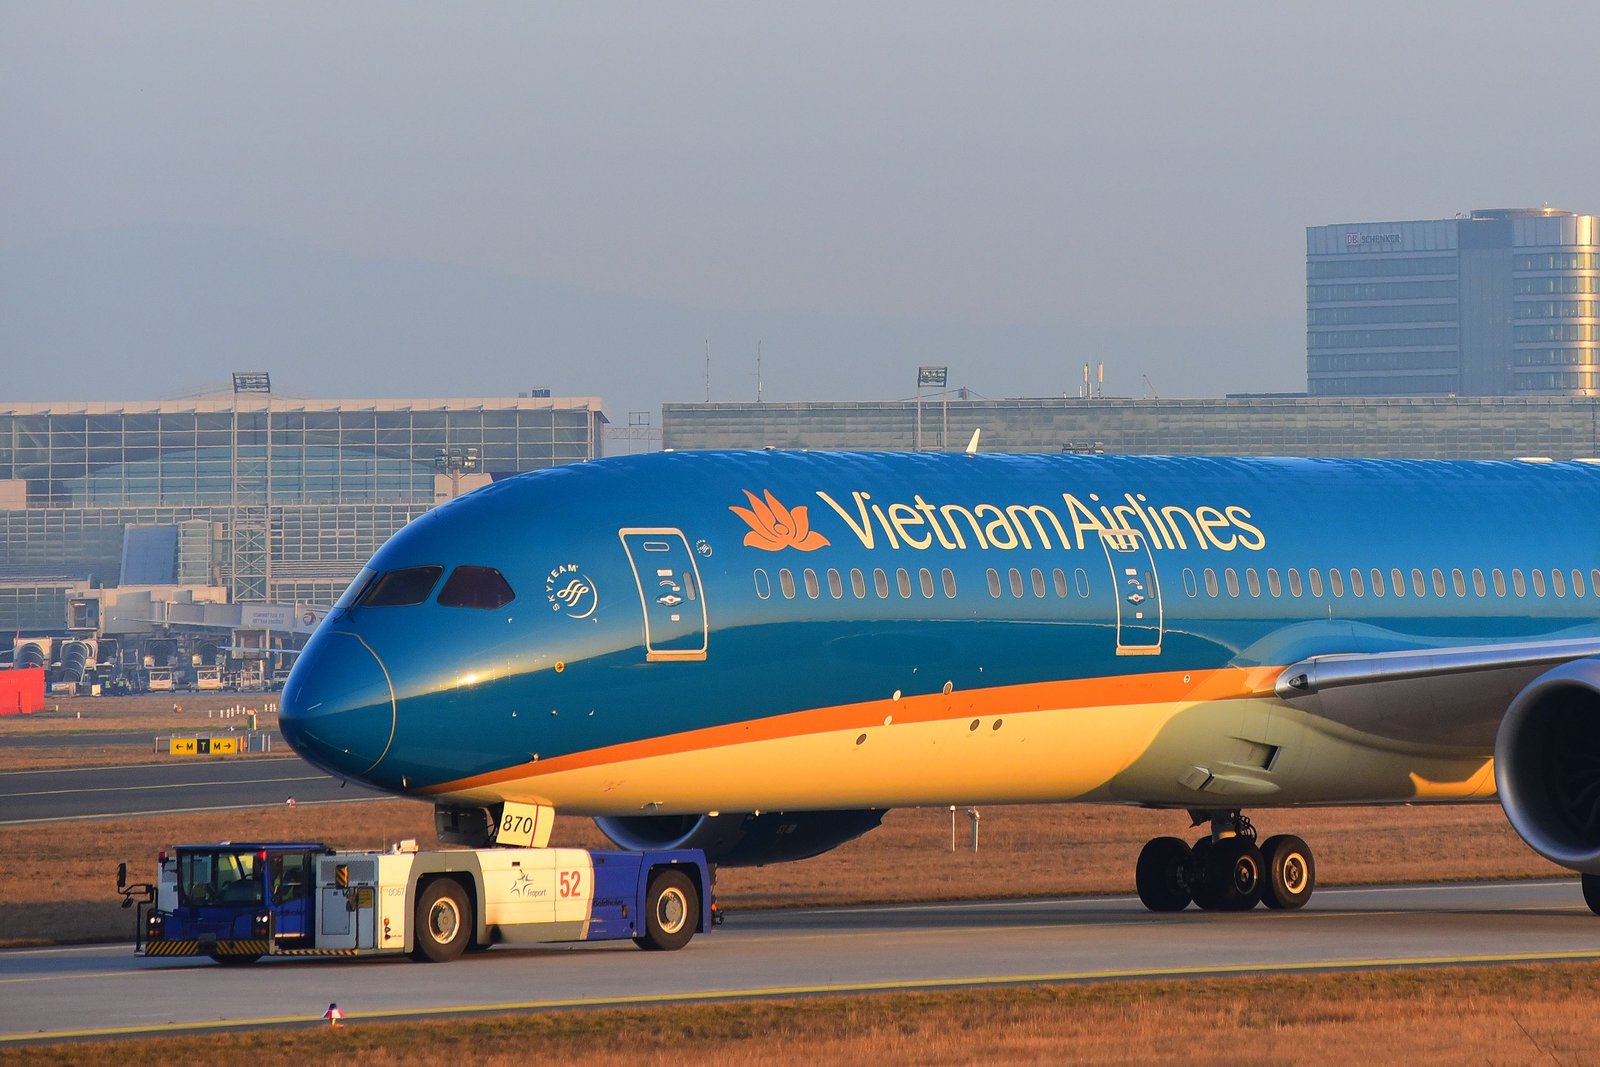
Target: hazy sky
[{"x": 406, "y": 200}]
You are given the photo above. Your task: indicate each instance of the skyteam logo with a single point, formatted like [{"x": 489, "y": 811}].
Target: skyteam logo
[
  {"x": 774, "y": 527},
  {"x": 571, "y": 592}
]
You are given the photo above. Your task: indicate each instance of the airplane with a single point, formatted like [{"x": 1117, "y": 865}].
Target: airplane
[{"x": 760, "y": 653}]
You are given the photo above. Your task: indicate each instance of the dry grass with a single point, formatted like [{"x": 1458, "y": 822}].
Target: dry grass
[
  {"x": 150, "y": 715},
  {"x": 1501, "y": 1015},
  {"x": 56, "y": 880}
]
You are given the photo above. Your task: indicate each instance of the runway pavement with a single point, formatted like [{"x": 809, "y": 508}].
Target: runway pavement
[
  {"x": 221, "y": 784},
  {"x": 78, "y": 992}
]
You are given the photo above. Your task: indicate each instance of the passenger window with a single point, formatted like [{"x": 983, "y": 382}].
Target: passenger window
[
  {"x": 1356, "y": 586},
  {"x": 1232, "y": 580},
  {"x": 478, "y": 587},
  {"x": 1419, "y": 584},
  {"x": 402, "y": 588},
  {"x": 835, "y": 584},
  {"x": 763, "y": 584},
  {"x": 1397, "y": 580},
  {"x": 1252, "y": 580},
  {"x": 858, "y": 583},
  {"x": 1477, "y": 583},
  {"x": 1211, "y": 582},
  {"x": 1038, "y": 583},
  {"x": 1594, "y": 581},
  {"x": 1336, "y": 582},
  {"x": 1314, "y": 576},
  {"x": 1377, "y": 582},
  {"x": 813, "y": 590},
  {"x": 1189, "y": 585},
  {"x": 1458, "y": 581},
  {"x": 1061, "y": 582},
  {"x": 902, "y": 580},
  {"x": 1295, "y": 589},
  {"x": 949, "y": 577},
  {"x": 1499, "y": 582},
  {"x": 1518, "y": 586},
  {"x": 1577, "y": 582},
  {"x": 1438, "y": 582},
  {"x": 689, "y": 587},
  {"x": 925, "y": 579},
  {"x": 1274, "y": 586},
  {"x": 1558, "y": 582},
  {"x": 1537, "y": 576},
  {"x": 994, "y": 583},
  {"x": 880, "y": 582},
  {"x": 1081, "y": 579},
  {"x": 786, "y": 583},
  {"x": 1016, "y": 582}
]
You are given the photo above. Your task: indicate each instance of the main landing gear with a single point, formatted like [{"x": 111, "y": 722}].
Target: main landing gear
[{"x": 1226, "y": 870}]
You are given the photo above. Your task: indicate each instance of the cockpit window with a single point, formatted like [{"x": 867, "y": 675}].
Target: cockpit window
[
  {"x": 355, "y": 588},
  {"x": 476, "y": 587},
  {"x": 398, "y": 589}
]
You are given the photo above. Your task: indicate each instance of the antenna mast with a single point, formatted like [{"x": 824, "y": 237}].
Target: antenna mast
[
  {"x": 708, "y": 370},
  {"x": 758, "y": 372}
]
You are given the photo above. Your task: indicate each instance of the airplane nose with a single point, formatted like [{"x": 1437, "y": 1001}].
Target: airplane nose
[{"x": 338, "y": 709}]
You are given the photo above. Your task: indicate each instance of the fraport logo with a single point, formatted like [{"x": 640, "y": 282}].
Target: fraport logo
[
  {"x": 571, "y": 591},
  {"x": 1361, "y": 240}
]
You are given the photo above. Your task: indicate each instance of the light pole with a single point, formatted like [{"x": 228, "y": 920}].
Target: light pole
[{"x": 456, "y": 461}]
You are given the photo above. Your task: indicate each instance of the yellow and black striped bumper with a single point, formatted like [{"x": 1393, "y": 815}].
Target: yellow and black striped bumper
[{"x": 191, "y": 947}]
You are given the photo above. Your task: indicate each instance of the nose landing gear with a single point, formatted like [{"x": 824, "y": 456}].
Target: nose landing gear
[{"x": 1226, "y": 870}]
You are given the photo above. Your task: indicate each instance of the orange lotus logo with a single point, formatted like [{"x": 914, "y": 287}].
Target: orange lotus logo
[{"x": 774, "y": 527}]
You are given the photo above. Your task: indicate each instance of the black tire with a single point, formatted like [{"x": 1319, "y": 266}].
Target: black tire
[
  {"x": 1233, "y": 874},
  {"x": 1200, "y": 883},
  {"x": 1162, "y": 874},
  {"x": 1591, "y": 892},
  {"x": 444, "y": 922},
  {"x": 1291, "y": 873},
  {"x": 235, "y": 959},
  {"x": 671, "y": 912}
]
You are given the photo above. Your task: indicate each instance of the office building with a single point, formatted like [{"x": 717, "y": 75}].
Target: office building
[{"x": 1494, "y": 303}]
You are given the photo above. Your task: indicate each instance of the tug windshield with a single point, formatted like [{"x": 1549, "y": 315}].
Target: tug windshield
[{"x": 223, "y": 876}]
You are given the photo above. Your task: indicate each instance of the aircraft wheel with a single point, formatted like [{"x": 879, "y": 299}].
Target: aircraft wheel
[
  {"x": 1291, "y": 872},
  {"x": 1201, "y": 884},
  {"x": 1161, "y": 874},
  {"x": 1233, "y": 874},
  {"x": 671, "y": 912},
  {"x": 444, "y": 922},
  {"x": 1591, "y": 892}
]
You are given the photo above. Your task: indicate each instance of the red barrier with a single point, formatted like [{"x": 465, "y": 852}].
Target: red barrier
[{"x": 22, "y": 691}]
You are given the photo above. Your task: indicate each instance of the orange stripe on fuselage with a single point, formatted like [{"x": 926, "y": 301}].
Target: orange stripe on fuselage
[{"x": 1119, "y": 690}]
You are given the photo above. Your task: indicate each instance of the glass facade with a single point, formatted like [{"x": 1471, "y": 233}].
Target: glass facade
[
  {"x": 1488, "y": 304},
  {"x": 1412, "y": 427},
  {"x": 293, "y": 496}
]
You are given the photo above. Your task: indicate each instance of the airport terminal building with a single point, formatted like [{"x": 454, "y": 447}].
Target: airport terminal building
[
  {"x": 259, "y": 498},
  {"x": 1493, "y": 303},
  {"x": 1413, "y": 427}
]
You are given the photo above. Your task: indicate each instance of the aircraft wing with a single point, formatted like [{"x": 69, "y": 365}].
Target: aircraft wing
[{"x": 1456, "y": 695}]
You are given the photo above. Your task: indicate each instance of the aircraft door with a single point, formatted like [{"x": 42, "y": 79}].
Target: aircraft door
[
  {"x": 670, "y": 593},
  {"x": 1138, "y": 592}
]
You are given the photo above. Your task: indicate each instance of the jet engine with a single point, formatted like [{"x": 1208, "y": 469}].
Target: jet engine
[
  {"x": 1547, "y": 765},
  {"x": 742, "y": 840}
]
